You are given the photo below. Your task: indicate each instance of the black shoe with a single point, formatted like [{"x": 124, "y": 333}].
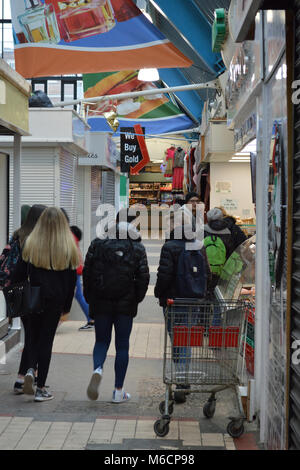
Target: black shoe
[
  {"x": 42, "y": 395},
  {"x": 18, "y": 388},
  {"x": 87, "y": 326}
]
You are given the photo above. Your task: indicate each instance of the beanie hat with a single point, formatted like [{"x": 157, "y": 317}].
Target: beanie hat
[
  {"x": 190, "y": 195},
  {"x": 214, "y": 214}
]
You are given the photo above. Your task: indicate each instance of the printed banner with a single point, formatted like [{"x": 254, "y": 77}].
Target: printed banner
[
  {"x": 155, "y": 113},
  {"x": 59, "y": 37}
]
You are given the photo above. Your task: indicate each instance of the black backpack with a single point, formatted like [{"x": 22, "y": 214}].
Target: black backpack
[
  {"x": 191, "y": 278},
  {"x": 115, "y": 278}
]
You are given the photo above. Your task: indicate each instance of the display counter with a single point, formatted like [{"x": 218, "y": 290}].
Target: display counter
[{"x": 238, "y": 273}]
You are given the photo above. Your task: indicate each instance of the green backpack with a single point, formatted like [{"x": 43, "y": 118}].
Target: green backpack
[
  {"x": 234, "y": 265},
  {"x": 216, "y": 253}
]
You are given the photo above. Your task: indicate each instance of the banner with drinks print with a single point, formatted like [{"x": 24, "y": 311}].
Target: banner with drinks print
[
  {"x": 156, "y": 113},
  {"x": 60, "y": 37}
]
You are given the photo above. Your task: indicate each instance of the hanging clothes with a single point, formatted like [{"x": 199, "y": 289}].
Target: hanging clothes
[
  {"x": 178, "y": 169},
  {"x": 185, "y": 174},
  {"x": 169, "y": 162}
]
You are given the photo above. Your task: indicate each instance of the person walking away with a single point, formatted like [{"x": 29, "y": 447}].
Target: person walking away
[
  {"x": 77, "y": 233},
  {"x": 182, "y": 273},
  {"x": 50, "y": 256},
  {"x": 13, "y": 250},
  {"x": 238, "y": 236},
  {"x": 115, "y": 281},
  {"x": 222, "y": 237},
  {"x": 193, "y": 215}
]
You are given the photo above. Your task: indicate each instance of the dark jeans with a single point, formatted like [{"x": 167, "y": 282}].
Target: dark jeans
[
  {"x": 24, "y": 365},
  {"x": 103, "y": 330},
  {"x": 40, "y": 336}
]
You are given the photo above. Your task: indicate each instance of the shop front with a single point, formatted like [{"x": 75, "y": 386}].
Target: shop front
[
  {"x": 164, "y": 181},
  {"x": 14, "y": 93},
  {"x": 102, "y": 183},
  {"x": 258, "y": 104},
  {"x": 49, "y": 165}
]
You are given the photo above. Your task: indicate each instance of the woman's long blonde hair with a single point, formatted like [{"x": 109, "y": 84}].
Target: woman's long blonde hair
[{"x": 51, "y": 244}]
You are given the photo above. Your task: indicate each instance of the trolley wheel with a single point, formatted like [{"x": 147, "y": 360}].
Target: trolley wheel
[
  {"x": 162, "y": 408},
  {"x": 209, "y": 409},
  {"x": 180, "y": 397},
  {"x": 161, "y": 428},
  {"x": 235, "y": 431}
]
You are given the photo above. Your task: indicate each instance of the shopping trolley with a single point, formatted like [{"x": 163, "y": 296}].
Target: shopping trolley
[{"x": 202, "y": 348}]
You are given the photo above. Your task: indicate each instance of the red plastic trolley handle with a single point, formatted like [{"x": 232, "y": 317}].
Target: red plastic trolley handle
[{"x": 170, "y": 301}]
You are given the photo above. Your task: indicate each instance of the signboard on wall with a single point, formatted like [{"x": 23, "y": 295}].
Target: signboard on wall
[
  {"x": 134, "y": 153},
  {"x": 223, "y": 187}
]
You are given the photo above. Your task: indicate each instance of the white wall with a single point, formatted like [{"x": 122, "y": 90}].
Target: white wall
[{"x": 239, "y": 174}]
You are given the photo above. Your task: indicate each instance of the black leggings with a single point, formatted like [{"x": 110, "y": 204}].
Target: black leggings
[{"x": 41, "y": 330}]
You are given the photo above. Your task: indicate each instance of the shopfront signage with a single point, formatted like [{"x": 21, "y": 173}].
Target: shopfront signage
[
  {"x": 102, "y": 151},
  {"x": 134, "y": 154},
  {"x": 229, "y": 204},
  {"x": 241, "y": 16},
  {"x": 244, "y": 134}
]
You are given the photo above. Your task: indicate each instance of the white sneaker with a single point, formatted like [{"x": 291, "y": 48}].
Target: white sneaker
[
  {"x": 92, "y": 390},
  {"x": 119, "y": 396},
  {"x": 29, "y": 382}
]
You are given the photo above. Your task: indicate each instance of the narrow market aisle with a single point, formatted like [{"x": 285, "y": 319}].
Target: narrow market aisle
[{"x": 71, "y": 421}]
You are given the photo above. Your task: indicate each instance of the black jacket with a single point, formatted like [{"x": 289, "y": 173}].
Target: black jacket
[
  {"x": 57, "y": 287},
  {"x": 165, "y": 287},
  {"x": 238, "y": 236},
  {"x": 115, "y": 274}
]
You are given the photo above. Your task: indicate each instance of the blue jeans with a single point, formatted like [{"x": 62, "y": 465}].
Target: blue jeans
[
  {"x": 103, "y": 329},
  {"x": 80, "y": 298}
]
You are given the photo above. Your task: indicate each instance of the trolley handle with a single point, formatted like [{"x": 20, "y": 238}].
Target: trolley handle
[{"x": 184, "y": 301}]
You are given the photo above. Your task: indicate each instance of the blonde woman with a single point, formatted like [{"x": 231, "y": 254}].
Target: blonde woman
[{"x": 52, "y": 255}]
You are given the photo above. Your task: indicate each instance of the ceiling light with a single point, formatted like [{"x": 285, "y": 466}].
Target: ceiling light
[{"x": 148, "y": 75}]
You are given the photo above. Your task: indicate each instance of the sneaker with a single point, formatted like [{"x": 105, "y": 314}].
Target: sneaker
[
  {"x": 92, "y": 390},
  {"x": 87, "y": 326},
  {"x": 42, "y": 395},
  {"x": 29, "y": 382},
  {"x": 119, "y": 396},
  {"x": 18, "y": 388}
]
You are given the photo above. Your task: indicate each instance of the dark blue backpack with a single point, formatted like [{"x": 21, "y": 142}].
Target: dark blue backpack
[
  {"x": 8, "y": 262},
  {"x": 191, "y": 279}
]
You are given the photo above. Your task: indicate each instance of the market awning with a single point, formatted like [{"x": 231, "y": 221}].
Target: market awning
[
  {"x": 188, "y": 25},
  {"x": 156, "y": 113},
  {"x": 62, "y": 37}
]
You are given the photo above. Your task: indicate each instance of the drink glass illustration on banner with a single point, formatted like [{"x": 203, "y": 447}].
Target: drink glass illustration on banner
[{"x": 67, "y": 20}]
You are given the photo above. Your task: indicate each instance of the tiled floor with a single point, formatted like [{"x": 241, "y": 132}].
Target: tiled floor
[
  {"x": 146, "y": 341},
  {"x": 28, "y": 434}
]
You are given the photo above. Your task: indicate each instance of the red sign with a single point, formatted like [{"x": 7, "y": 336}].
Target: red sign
[{"x": 144, "y": 151}]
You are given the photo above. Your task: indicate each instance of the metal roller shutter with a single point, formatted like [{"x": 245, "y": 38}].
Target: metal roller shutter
[
  {"x": 109, "y": 187},
  {"x": 69, "y": 184},
  {"x": 108, "y": 193},
  {"x": 294, "y": 422},
  {"x": 37, "y": 179},
  {"x": 96, "y": 187}
]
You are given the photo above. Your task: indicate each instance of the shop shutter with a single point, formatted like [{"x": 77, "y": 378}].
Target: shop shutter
[
  {"x": 294, "y": 418},
  {"x": 96, "y": 193},
  {"x": 37, "y": 179},
  {"x": 68, "y": 184},
  {"x": 108, "y": 187},
  {"x": 108, "y": 193}
]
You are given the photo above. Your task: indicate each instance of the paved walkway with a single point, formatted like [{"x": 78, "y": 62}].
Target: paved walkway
[{"x": 71, "y": 421}]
